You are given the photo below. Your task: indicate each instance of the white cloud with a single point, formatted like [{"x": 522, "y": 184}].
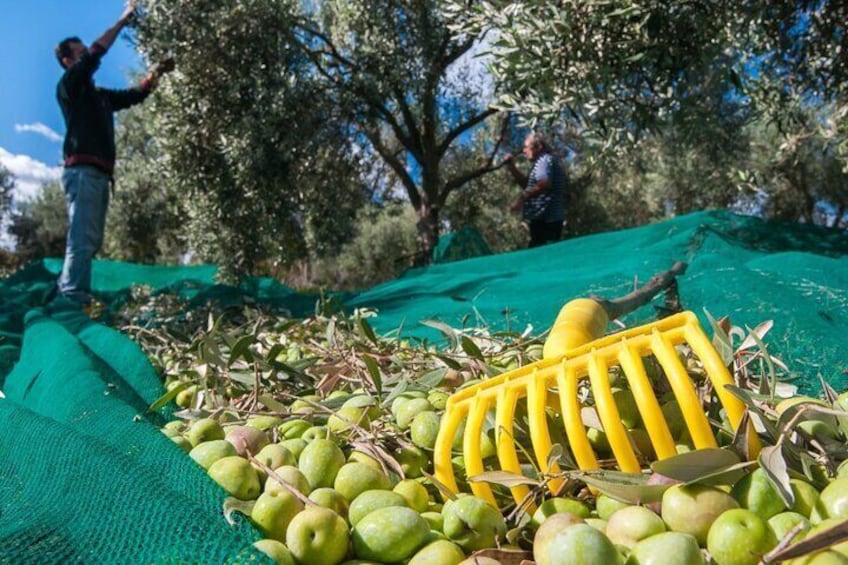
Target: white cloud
[
  {"x": 30, "y": 174},
  {"x": 40, "y": 129}
]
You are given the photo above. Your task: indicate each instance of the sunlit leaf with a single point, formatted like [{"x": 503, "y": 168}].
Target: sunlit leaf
[
  {"x": 433, "y": 378},
  {"x": 687, "y": 467},
  {"x": 503, "y": 478},
  {"x": 470, "y": 348},
  {"x": 502, "y": 556},
  {"x": 168, "y": 396},
  {"x": 721, "y": 340},
  {"x": 813, "y": 543},
  {"x": 632, "y": 488},
  {"x": 244, "y": 377},
  {"x": 446, "y": 330},
  {"x": 773, "y": 464},
  {"x": 272, "y": 404},
  {"x": 374, "y": 372}
]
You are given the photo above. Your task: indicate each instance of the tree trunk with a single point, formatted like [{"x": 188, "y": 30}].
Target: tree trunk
[
  {"x": 428, "y": 212},
  {"x": 428, "y": 233}
]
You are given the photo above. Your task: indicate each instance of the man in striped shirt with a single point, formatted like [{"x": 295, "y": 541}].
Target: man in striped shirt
[{"x": 542, "y": 200}]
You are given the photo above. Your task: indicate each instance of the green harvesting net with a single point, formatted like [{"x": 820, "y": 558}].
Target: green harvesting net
[
  {"x": 742, "y": 267},
  {"x": 86, "y": 477}
]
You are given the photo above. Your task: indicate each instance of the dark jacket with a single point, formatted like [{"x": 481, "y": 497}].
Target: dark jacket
[{"x": 87, "y": 109}]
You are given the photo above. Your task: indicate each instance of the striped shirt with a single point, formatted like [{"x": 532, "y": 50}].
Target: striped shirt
[{"x": 549, "y": 206}]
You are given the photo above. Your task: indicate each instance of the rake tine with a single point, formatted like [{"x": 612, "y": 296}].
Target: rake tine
[
  {"x": 537, "y": 398},
  {"x": 442, "y": 460},
  {"x": 471, "y": 447},
  {"x": 574, "y": 428},
  {"x": 617, "y": 436},
  {"x": 684, "y": 391},
  {"x": 505, "y": 440},
  {"x": 720, "y": 377},
  {"x": 646, "y": 400}
]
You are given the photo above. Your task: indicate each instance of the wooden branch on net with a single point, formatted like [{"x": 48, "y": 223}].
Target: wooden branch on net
[{"x": 665, "y": 281}]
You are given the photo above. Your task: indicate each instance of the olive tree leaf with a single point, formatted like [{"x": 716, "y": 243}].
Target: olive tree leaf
[
  {"x": 367, "y": 331},
  {"x": 632, "y": 488},
  {"x": 331, "y": 333},
  {"x": 721, "y": 340},
  {"x": 725, "y": 475},
  {"x": 242, "y": 349},
  {"x": 502, "y": 556},
  {"x": 691, "y": 466},
  {"x": 272, "y": 404},
  {"x": 503, "y": 478},
  {"x": 773, "y": 464},
  {"x": 812, "y": 543},
  {"x": 470, "y": 348},
  {"x": 451, "y": 363},
  {"x": 754, "y": 410},
  {"x": 432, "y": 378},
  {"x": 374, "y": 372},
  {"x": 446, "y": 330},
  {"x": 440, "y": 486},
  {"x": 168, "y": 396}
]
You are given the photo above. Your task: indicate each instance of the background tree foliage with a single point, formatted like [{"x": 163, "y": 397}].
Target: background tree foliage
[
  {"x": 247, "y": 133},
  {"x": 690, "y": 75},
  {"x": 615, "y": 68},
  {"x": 229, "y": 119},
  {"x": 39, "y": 226},
  {"x": 146, "y": 213},
  {"x": 293, "y": 134},
  {"x": 7, "y": 183}
]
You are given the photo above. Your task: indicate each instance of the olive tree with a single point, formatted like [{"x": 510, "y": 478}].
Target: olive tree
[
  {"x": 404, "y": 79},
  {"x": 231, "y": 117},
  {"x": 146, "y": 216}
]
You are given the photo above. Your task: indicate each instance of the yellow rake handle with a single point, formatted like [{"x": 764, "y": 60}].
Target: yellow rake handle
[{"x": 577, "y": 349}]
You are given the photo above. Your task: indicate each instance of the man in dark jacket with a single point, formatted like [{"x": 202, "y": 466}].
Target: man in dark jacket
[{"x": 89, "y": 150}]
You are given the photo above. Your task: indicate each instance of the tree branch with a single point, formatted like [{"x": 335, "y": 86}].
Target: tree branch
[
  {"x": 396, "y": 165},
  {"x": 410, "y": 140},
  {"x": 462, "y": 128},
  {"x": 409, "y": 120},
  {"x": 455, "y": 54},
  {"x": 487, "y": 167},
  {"x": 333, "y": 50},
  {"x": 624, "y": 305}
]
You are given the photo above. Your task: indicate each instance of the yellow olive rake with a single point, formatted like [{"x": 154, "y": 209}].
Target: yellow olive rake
[{"x": 576, "y": 350}]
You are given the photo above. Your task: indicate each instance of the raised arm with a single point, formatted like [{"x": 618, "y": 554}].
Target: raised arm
[
  {"x": 518, "y": 176},
  {"x": 121, "y": 99},
  {"x": 109, "y": 36}
]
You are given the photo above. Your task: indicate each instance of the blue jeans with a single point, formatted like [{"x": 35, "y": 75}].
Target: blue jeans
[{"x": 87, "y": 192}]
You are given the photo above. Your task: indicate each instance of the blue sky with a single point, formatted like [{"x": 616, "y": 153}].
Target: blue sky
[{"x": 31, "y": 125}]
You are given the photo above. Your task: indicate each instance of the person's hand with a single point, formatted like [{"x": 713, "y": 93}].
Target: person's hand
[
  {"x": 164, "y": 67},
  {"x": 518, "y": 204},
  {"x": 508, "y": 159},
  {"x": 128, "y": 13}
]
